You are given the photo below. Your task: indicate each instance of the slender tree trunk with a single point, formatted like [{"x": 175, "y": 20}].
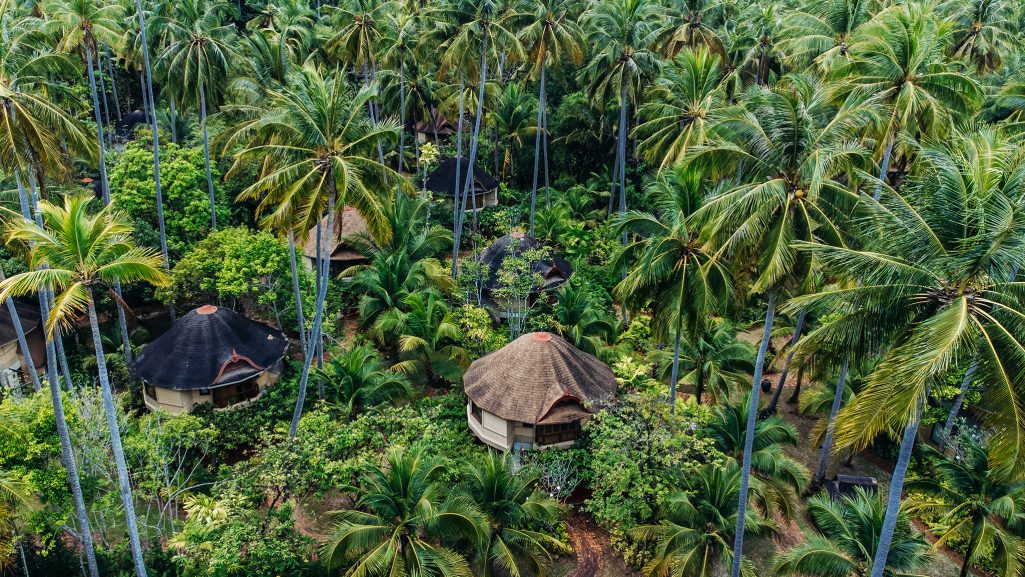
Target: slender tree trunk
[
  {"x": 63, "y": 360},
  {"x": 113, "y": 84},
  {"x": 124, "y": 482},
  {"x": 675, "y": 372},
  {"x": 544, "y": 147},
  {"x": 318, "y": 318},
  {"x": 763, "y": 66},
  {"x": 174, "y": 120},
  {"x": 296, "y": 292},
  {"x": 796, "y": 395},
  {"x": 622, "y": 173},
  {"x": 771, "y": 409},
  {"x": 827, "y": 443},
  {"x": 752, "y": 417},
  {"x": 19, "y": 331},
  {"x": 71, "y": 465},
  {"x": 402, "y": 111},
  {"x": 206, "y": 157},
  {"x": 456, "y": 217},
  {"x": 948, "y": 427},
  {"x": 537, "y": 148},
  {"x": 106, "y": 105},
  {"x": 104, "y": 191},
  {"x": 145, "y": 100},
  {"x": 468, "y": 186},
  {"x": 973, "y": 544},
  {"x": 24, "y": 562},
  {"x": 907, "y": 443},
  {"x": 884, "y": 167},
  {"x": 148, "y": 92}
]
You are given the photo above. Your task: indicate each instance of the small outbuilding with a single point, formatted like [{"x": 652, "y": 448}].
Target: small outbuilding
[
  {"x": 12, "y": 359},
  {"x": 534, "y": 393},
  {"x": 343, "y": 254},
  {"x": 210, "y": 355},
  {"x": 438, "y": 125},
  {"x": 442, "y": 182},
  {"x": 555, "y": 270}
]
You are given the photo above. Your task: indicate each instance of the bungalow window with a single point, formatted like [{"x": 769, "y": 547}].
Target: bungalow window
[
  {"x": 477, "y": 412},
  {"x": 229, "y": 395},
  {"x": 557, "y": 433},
  {"x": 150, "y": 390}
]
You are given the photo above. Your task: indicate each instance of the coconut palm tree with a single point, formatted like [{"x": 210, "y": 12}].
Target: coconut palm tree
[
  {"x": 83, "y": 26},
  {"x": 715, "y": 360},
  {"x": 512, "y": 119},
  {"x": 974, "y": 504},
  {"x": 512, "y": 505},
  {"x": 693, "y": 25},
  {"x": 897, "y": 57},
  {"x": 484, "y": 28},
  {"x": 778, "y": 473},
  {"x": 803, "y": 187},
  {"x": 623, "y": 32},
  {"x": 552, "y": 38},
  {"x": 820, "y": 33},
  {"x": 671, "y": 268},
  {"x": 694, "y": 539},
  {"x": 936, "y": 282},
  {"x": 579, "y": 320},
  {"x": 358, "y": 380},
  {"x": 315, "y": 141},
  {"x": 847, "y": 531},
  {"x": 196, "y": 60},
  {"x": 401, "y": 515},
  {"x": 73, "y": 253},
  {"x": 427, "y": 331},
  {"x": 386, "y": 282},
  {"x": 407, "y": 219},
  {"x": 679, "y": 107},
  {"x": 983, "y": 31}
]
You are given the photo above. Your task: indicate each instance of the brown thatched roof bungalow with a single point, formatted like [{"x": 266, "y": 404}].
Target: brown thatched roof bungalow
[
  {"x": 13, "y": 364},
  {"x": 347, "y": 223},
  {"x": 534, "y": 392},
  {"x": 442, "y": 182},
  {"x": 438, "y": 125},
  {"x": 210, "y": 355}
]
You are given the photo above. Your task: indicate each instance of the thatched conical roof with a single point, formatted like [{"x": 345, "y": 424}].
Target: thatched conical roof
[
  {"x": 532, "y": 378},
  {"x": 348, "y": 222},
  {"x": 29, "y": 316},
  {"x": 443, "y": 179},
  {"x": 210, "y": 347}
]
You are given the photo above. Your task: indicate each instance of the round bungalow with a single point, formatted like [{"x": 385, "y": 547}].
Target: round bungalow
[
  {"x": 534, "y": 392},
  {"x": 442, "y": 182},
  {"x": 347, "y": 224},
  {"x": 211, "y": 355}
]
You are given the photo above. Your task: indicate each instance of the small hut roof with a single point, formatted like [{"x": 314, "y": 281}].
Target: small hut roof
[
  {"x": 555, "y": 270},
  {"x": 29, "y": 316},
  {"x": 123, "y": 128},
  {"x": 352, "y": 222},
  {"x": 443, "y": 179},
  {"x": 444, "y": 125},
  {"x": 210, "y": 347},
  {"x": 538, "y": 378}
]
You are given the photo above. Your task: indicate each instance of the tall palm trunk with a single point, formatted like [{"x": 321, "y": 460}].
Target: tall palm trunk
[
  {"x": 884, "y": 166},
  {"x": 749, "y": 436},
  {"x": 827, "y": 443},
  {"x": 71, "y": 466},
  {"x": 459, "y": 164},
  {"x": 907, "y": 443},
  {"x": 468, "y": 187},
  {"x": 19, "y": 331},
  {"x": 156, "y": 141},
  {"x": 174, "y": 120},
  {"x": 956, "y": 407},
  {"x": 537, "y": 147},
  {"x": 544, "y": 147},
  {"x": 622, "y": 172},
  {"x": 106, "y": 105},
  {"x": 675, "y": 372},
  {"x": 124, "y": 482},
  {"x": 206, "y": 157},
  {"x": 104, "y": 191},
  {"x": 296, "y": 292},
  {"x": 771, "y": 409},
  {"x": 318, "y": 316},
  {"x": 113, "y": 84},
  {"x": 796, "y": 395},
  {"x": 402, "y": 111}
]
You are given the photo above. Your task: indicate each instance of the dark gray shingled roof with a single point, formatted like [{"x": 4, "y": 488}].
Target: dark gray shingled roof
[
  {"x": 443, "y": 179},
  {"x": 209, "y": 347}
]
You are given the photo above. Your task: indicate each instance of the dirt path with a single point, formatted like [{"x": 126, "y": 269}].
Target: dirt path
[{"x": 589, "y": 553}]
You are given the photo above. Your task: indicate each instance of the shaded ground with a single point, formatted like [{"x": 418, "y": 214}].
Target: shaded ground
[{"x": 592, "y": 553}]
